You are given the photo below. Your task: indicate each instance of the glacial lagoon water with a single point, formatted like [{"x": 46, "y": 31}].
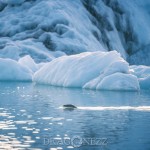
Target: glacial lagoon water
[{"x": 31, "y": 117}]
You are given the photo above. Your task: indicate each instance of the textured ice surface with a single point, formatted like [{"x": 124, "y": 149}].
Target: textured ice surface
[
  {"x": 75, "y": 27},
  {"x": 34, "y": 32},
  {"x": 11, "y": 70},
  {"x": 94, "y": 70}
]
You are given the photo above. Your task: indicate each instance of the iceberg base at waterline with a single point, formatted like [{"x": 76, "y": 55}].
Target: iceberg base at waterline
[
  {"x": 89, "y": 70},
  {"x": 92, "y": 70}
]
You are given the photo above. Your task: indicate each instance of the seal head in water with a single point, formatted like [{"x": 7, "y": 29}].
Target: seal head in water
[{"x": 69, "y": 106}]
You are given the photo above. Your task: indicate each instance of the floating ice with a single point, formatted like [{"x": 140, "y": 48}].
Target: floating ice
[
  {"x": 143, "y": 75},
  {"x": 13, "y": 71},
  {"x": 94, "y": 70}
]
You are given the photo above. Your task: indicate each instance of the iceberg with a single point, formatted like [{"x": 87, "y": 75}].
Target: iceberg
[
  {"x": 119, "y": 81},
  {"x": 17, "y": 49},
  {"x": 143, "y": 75},
  {"x": 93, "y": 70},
  {"x": 11, "y": 70},
  {"x": 35, "y": 33},
  {"x": 28, "y": 62},
  {"x": 74, "y": 27}
]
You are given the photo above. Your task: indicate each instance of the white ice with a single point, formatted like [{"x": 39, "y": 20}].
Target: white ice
[
  {"x": 11, "y": 70},
  {"x": 94, "y": 70}
]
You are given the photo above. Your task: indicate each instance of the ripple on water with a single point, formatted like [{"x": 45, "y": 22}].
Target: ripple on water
[
  {"x": 57, "y": 119},
  {"x": 25, "y": 125},
  {"x": 47, "y": 118}
]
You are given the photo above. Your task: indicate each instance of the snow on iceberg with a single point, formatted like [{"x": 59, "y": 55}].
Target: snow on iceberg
[
  {"x": 12, "y": 71},
  {"x": 94, "y": 70}
]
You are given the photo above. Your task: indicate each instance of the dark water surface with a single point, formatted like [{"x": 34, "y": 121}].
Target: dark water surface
[{"x": 31, "y": 118}]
